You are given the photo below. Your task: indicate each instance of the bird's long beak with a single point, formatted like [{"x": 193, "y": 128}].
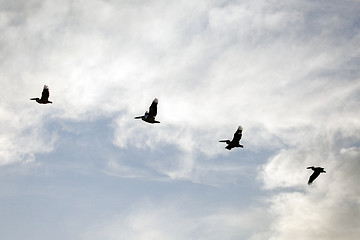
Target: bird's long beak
[
  {"x": 138, "y": 117},
  {"x": 32, "y": 98}
]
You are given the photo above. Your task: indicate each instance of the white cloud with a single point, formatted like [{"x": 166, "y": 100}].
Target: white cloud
[
  {"x": 22, "y": 135},
  {"x": 329, "y": 209},
  {"x": 213, "y": 66},
  {"x": 151, "y": 221},
  {"x": 287, "y": 72}
]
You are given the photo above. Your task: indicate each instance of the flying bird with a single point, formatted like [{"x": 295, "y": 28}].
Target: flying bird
[
  {"x": 150, "y": 116},
  {"x": 316, "y": 173},
  {"x": 44, "y": 96},
  {"x": 235, "y": 142}
]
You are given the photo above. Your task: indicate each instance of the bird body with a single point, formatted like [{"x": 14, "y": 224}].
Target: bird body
[
  {"x": 150, "y": 115},
  {"x": 235, "y": 142},
  {"x": 44, "y": 96},
  {"x": 316, "y": 173}
]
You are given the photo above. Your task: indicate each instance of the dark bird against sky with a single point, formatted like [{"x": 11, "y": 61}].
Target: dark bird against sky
[
  {"x": 316, "y": 173},
  {"x": 44, "y": 96},
  {"x": 150, "y": 116},
  {"x": 235, "y": 142}
]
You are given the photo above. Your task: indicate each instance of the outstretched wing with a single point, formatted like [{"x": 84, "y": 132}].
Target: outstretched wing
[
  {"x": 237, "y": 135},
  {"x": 45, "y": 94},
  {"x": 153, "y": 108},
  {"x": 313, "y": 177}
]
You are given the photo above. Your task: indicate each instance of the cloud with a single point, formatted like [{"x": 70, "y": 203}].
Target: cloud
[
  {"x": 22, "y": 135},
  {"x": 213, "y": 66},
  {"x": 151, "y": 221},
  {"x": 327, "y": 210},
  {"x": 287, "y": 72}
]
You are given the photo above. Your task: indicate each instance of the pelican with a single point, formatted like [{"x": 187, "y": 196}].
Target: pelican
[
  {"x": 316, "y": 173},
  {"x": 44, "y": 96},
  {"x": 235, "y": 142},
  {"x": 150, "y": 116}
]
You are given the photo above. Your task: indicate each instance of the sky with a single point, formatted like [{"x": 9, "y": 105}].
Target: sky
[{"x": 84, "y": 168}]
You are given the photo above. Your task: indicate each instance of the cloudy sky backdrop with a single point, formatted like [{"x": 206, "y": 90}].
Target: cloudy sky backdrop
[{"x": 83, "y": 168}]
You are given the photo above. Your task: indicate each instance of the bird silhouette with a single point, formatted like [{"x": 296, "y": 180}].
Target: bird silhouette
[
  {"x": 150, "y": 115},
  {"x": 44, "y": 96},
  {"x": 235, "y": 142},
  {"x": 316, "y": 173}
]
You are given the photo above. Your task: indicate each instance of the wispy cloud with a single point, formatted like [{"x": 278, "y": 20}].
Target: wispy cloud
[
  {"x": 151, "y": 221},
  {"x": 287, "y": 72}
]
